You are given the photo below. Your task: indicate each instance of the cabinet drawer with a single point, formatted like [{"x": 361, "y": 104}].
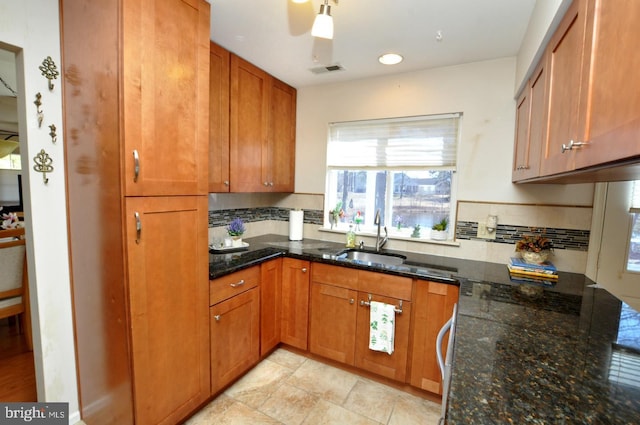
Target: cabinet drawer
[
  {"x": 235, "y": 283},
  {"x": 386, "y": 285},
  {"x": 335, "y": 275}
]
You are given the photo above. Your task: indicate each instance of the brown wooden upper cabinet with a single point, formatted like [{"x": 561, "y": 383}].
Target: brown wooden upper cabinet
[
  {"x": 219, "y": 59},
  {"x": 591, "y": 112},
  {"x": 165, "y": 99},
  {"x": 530, "y": 126},
  {"x": 253, "y": 124}
]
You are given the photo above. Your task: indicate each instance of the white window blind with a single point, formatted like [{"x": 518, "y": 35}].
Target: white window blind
[
  {"x": 635, "y": 197},
  {"x": 425, "y": 141}
]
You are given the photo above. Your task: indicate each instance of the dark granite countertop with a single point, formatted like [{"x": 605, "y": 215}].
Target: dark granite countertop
[
  {"x": 272, "y": 246},
  {"x": 524, "y": 354},
  {"x": 565, "y": 354}
]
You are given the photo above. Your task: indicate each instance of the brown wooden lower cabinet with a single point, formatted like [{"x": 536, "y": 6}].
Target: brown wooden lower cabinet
[
  {"x": 340, "y": 318},
  {"x": 168, "y": 306},
  {"x": 295, "y": 302},
  {"x": 392, "y": 366},
  {"x": 255, "y": 309},
  {"x": 235, "y": 337},
  {"x": 333, "y": 322},
  {"x": 270, "y": 304},
  {"x": 433, "y": 306}
]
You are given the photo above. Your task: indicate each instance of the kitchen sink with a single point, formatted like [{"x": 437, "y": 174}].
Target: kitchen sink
[{"x": 371, "y": 257}]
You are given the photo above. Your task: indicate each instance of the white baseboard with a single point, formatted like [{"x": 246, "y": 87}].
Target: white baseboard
[{"x": 74, "y": 418}]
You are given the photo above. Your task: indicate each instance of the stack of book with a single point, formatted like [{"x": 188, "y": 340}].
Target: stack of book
[{"x": 523, "y": 272}]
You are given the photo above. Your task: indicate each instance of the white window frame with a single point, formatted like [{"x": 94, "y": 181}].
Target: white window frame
[{"x": 367, "y": 227}]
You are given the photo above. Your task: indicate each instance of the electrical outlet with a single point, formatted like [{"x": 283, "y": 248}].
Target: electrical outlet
[{"x": 483, "y": 233}]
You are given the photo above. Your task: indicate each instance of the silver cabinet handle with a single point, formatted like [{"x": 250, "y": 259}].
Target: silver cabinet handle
[
  {"x": 226, "y": 182},
  {"x": 271, "y": 184},
  {"x": 351, "y": 301},
  {"x": 235, "y": 285},
  {"x": 304, "y": 270},
  {"x": 572, "y": 145},
  {"x": 266, "y": 183},
  {"x": 217, "y": 317},
  {"x": 136, "y": 215},
  {"x": 136, "y": 165},
  {"x": 364, "y": 303}
]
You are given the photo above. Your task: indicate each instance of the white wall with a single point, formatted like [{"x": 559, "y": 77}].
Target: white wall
[
  {"x": 544, "y": 20},
  {"x": 31, "y": 28},
  {"x": 483, "y": 92}
]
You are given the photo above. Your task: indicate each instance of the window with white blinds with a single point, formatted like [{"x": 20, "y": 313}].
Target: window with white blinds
[
  {"x": 635, "y": 198},
  {"x": 429, "y": 141},
  {"x": 402, "y": 168},
  {"x": 633, "y": 259}
]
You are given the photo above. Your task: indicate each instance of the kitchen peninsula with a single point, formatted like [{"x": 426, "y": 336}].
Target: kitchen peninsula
[{"x": 522, "y": 354}]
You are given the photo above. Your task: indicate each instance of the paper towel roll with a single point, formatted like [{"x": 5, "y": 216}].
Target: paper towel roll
[{"x": 296, "y": 225}]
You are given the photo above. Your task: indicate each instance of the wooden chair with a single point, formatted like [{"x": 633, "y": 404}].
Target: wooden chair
[{"x": 14, "y": 288}]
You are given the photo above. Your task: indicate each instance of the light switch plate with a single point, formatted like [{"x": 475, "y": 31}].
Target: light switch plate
[{"x": 483, "y": 233}]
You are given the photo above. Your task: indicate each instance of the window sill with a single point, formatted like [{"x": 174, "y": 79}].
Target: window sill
[{"x": 448, "y": 242}]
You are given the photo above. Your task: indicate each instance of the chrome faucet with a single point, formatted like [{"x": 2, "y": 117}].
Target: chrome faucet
[{"x": 380, "y": 243}]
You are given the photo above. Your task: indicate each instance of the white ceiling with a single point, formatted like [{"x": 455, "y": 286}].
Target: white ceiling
[{"x": 276, "y": 35}]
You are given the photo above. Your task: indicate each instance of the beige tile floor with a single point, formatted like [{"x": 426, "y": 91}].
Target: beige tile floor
[{"x": 290, "y": 389}]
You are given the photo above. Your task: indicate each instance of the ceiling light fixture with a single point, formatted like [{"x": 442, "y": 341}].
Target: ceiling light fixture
[
  {"x": 390, "y": 59},
  {"x": 323, "y": 25},
  {"x": 300, "y": 1}
]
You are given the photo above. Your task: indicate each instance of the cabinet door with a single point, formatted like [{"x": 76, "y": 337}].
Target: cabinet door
[
  {"x": 392, "y": 366},
  {"x": 235, "y": 337},
  {"x": 521, "y": 145},
  {"x": 295, "y": 302},
  {"x": 270, "y": 304},
  {"x": 168, "y": 299},
  {"x": 333, "y": 322},
  {"x": 564, "y": 56},
  {"x": 166, "y": 97},
  {"x": 433, "y": 306},
  {"x": 249, "y": 126},
  {"x": 531, "y": 125},
  {"x": 279, "y": 169},
  {"x": 219, "y": 59},
  {"x": 610, "y": 106}
]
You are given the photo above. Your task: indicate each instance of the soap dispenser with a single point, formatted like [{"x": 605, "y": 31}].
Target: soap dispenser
[{"x": 351, "y": 237}]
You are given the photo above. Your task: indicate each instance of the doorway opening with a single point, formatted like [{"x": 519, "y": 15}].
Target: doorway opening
[{"x": 17, "y": 367}]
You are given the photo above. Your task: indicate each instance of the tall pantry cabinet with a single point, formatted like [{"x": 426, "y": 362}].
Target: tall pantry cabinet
[{"x": 135, "y": 89}]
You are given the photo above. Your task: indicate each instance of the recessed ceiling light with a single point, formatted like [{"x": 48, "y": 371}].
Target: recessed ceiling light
[{"x": 390, "y": 59}]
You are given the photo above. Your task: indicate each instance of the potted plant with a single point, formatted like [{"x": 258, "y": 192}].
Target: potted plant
[
  {"x": 416, "y": 231},
  {"x": 439, "y": 230},
  {"x": 534, "y": 249},
  {"x": 336, "y": 214},
  {"x": 236, "y": 229}
]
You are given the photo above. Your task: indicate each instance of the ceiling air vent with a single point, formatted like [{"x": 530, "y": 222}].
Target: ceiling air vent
[{"x": 328, "y": 68}]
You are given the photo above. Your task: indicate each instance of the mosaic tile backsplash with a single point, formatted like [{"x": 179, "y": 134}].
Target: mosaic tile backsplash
[
  {"x": 249, "y": 215},
  {"x": 561, "y": 238},
  {"x": 465, "y": 230}
]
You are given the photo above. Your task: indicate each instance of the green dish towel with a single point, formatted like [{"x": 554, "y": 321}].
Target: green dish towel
[{"x": 382, "y": 321}]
